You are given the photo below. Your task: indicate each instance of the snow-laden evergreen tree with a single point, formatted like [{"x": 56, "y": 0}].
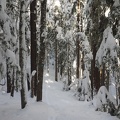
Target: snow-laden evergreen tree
[
  {"x": 63, "y": 24},
  {"x": 106, "y": 57},
  {"x": 82, "y": 86},
  {"x": 103, "y": 99},
  {"x": 96, "y": 21},
  {"x": 11, "y": 70},
  {"x": 107, "y": 53},
  {"x": 8, "y": 42},
  {"x": 68, "y": 30}
]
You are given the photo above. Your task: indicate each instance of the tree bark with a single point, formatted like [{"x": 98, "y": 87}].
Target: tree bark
[
  {"x": 33, "y": 18},
  {"x": 22, "y": 53},
  {"x": 78, "y": 44},
  {"x": 13, "y": 80},
  {"x": 42, "y": 51},
  {"x": 108, "y": 77},
  {"x": 56, "y": 60},
  {"x": 8, "y": 78},
  {"x": 103, "y": 75},
  {"x": 96, "y": 74},
  {"x": 91, "y": 77}
]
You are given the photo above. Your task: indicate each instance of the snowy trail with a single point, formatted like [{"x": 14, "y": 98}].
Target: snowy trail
[
  {"x": 57, "y": 105},
  {"x": 66, "y": 107}
]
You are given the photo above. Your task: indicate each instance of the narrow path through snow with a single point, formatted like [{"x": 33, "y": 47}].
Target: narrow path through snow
[
  {"x": 66, "y": 107},
  {"x": 57, "y": 105}
]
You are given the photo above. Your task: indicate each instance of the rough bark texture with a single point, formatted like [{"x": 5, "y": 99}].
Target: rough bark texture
[
  {"x": 8, "y": 78},
  {"x": 78, "y": 58},
  {"x": 32, "y": 87},
  {"x": 22, "y": 53},
  {"x": 33, "y": 18},
  {"x": 96, "y": 75},
  {"x": 56, "y": 61},
  {"x": 78, "y": 44},
  {"x": 103, "y": 75},
  {"x": 12, "y": 84},
  {"x": 42, "y": 51}
]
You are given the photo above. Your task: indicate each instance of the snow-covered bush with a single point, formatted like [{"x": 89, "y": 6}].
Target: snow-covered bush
[
  {"x": 65, "y": 84},
  {"x": 103, "y": 99},
  {"x": 107, "y": 52},
  {"x": 82, "y": 87}
]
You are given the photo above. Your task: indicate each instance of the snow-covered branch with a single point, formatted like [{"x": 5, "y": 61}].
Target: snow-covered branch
[{"x": 28, "y": 3}]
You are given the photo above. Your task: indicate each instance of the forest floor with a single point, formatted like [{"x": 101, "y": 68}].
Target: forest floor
[{"x": 57, "y": 105}]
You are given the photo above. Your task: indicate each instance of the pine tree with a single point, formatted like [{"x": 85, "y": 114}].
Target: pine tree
[{"x": 42, "y": 50}]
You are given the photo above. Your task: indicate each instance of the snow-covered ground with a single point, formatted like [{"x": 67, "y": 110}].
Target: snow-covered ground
[{"x": 57, "y": 105}]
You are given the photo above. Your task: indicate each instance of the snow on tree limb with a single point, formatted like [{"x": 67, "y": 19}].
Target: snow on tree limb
[
  {"x": 28, "y": 2},
  {"x": 107, "y": 48},
  {"x": 11, "y": 56}
]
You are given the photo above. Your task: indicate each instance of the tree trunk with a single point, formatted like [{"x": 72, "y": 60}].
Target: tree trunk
[
  {"x": 97, "y": 79},
  {"x": 78, "y": 44},
  {"x": 28, "y": 81},
  {"x": 42, "y": 51},
  {"x": 92, "y": 78},
  {"x": 108, "y": 76},
  {"x": 103, "y": 76},
  {"x": 32, "y": 86},
  {"x": 13, "y": 80},
  {"x": 69, "y": 75},
  {"x": 78, "y": 58},
  {"x": 33, "y": 18},
  {"x": 96, "y": 74},
  {"x": 8, "y": 78},
  {"x": 22, "y": 53},
  {"x": 56, "y": 61}
]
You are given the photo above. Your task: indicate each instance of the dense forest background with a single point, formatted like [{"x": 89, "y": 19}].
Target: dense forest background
[{"x": 80, "y": 38}]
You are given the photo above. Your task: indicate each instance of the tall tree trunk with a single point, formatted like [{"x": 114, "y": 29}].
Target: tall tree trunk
[
  {"x": 47, "y": 58},
  {"x": 13, "y": 80},
  {"x": 8, "y": 78},
  {"x": 103, "y": 75},
  {"x": 61, "y": 68},
  {"x": 108, "y": 76},
  {"x": 96, "y": 74},
  {"x": 78, "y": 44},
  {"x": 97, "y": 78},
  {"x": 69, "y": 64},
  {"x": 56, "y": 60},
  {"x": 92, "y": 79},
  {"x": 42, "y": 50},
  {"x": 22, "y": 53},
  {"x": 33, "y": 18}
]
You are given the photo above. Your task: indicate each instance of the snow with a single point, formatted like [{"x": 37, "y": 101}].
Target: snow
[
  {"x": 11, "y": 55},
  {"x": 57, "y": 105},
  {"x": 116, "y": 3},
  {"x": 3, "y": 3},
  {"x": 107, "y": 48},
  {"x": 107, "y": 12},
  {"x": 102, "y": 97},
  {"x": 2, "y": 64},
  {"x": 33, "y": 72}
]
